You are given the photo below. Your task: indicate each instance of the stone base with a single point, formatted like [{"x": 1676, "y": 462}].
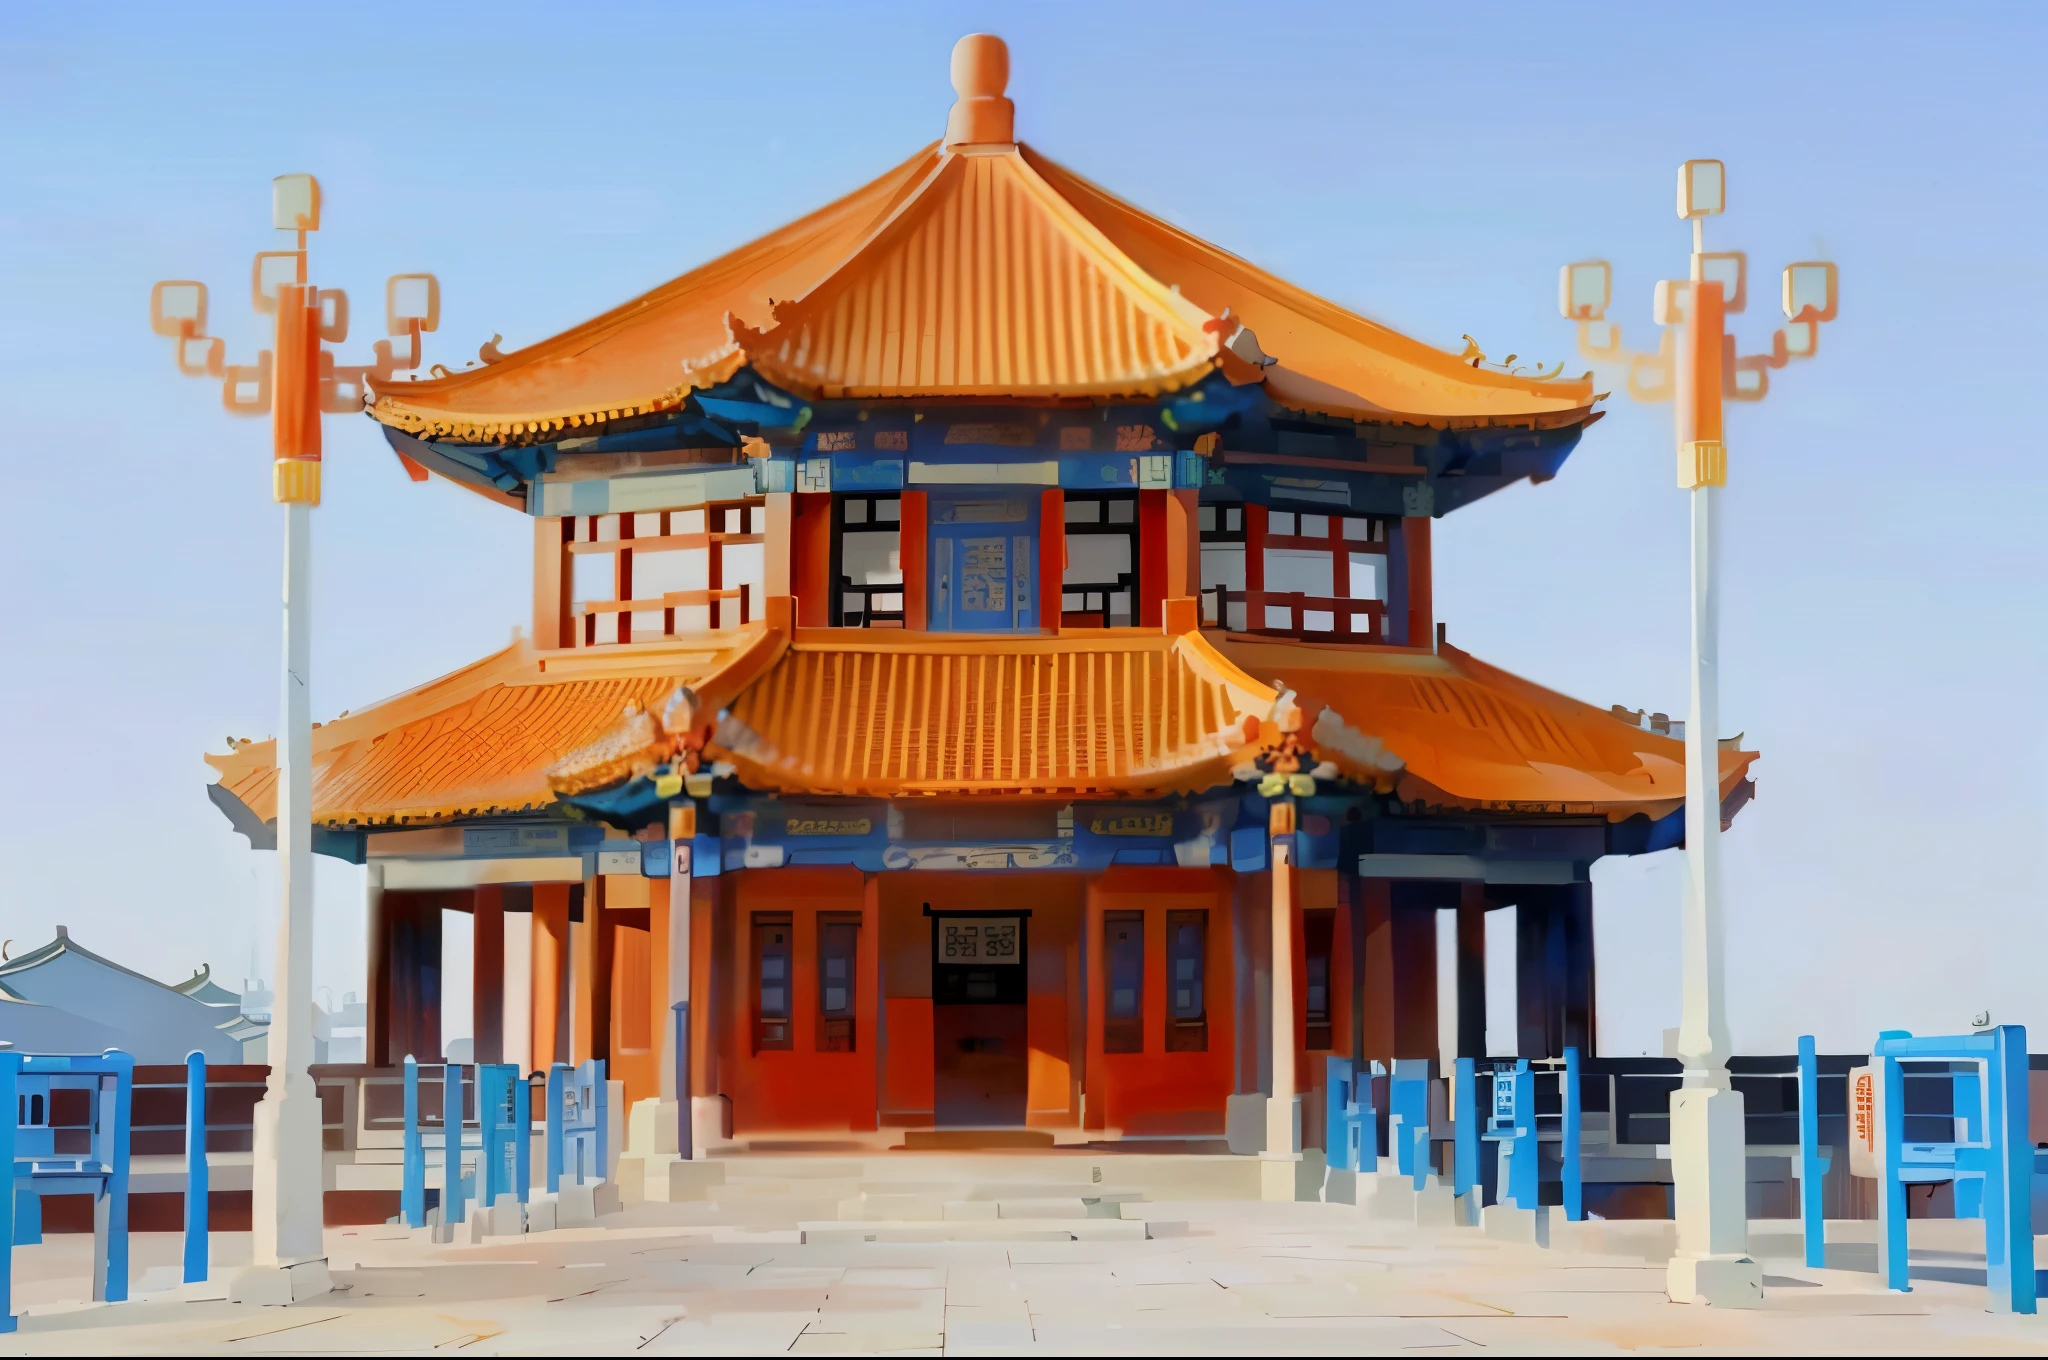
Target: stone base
[
  {"x": 540, "y": 1214},
  {"x": 277, "y": 1286},
  {"x": 1720, "y": 1282},
  {"x": 1277, "y": 1175},
  {"x": 580, "y": 1206},
  {"x": 506, "y": 1218},
  {"x": 1340, "y": 1186},
  {"x": 1507, "y": 1223},
  {"x": 1310, "y": 1171},
  {"x": 1466, "y": 1209},
  {"x": 1390, "y": 1196},
  {"x": 1436, "y": 1206}
]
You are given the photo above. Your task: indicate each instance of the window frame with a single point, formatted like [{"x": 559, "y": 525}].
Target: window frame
[
  {"x": 773, "y": 1032},
  {"x": 1187, "y": 1031},
  {"x": 1126, "y": 583},
  {"x": 869, "y": 617},
  {"x": 1123, "y": 1033},
  {"x": 837, "y": 1024}
]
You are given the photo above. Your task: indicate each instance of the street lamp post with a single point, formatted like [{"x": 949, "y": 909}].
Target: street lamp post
[
  {"x": 1696, "y": 368},
  {"x": 295, "y": 382}
]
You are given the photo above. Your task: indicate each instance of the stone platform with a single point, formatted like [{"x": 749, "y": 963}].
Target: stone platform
[{"x": 1027, "y": 1253}]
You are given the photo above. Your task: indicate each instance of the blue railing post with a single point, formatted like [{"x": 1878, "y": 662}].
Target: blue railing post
[
  {"x": 10, "y": 1073},
  {"x": 1813, "y": 1167},
  {"x": 412, "y": 1189},
  {"x": 601, "y": 1092},
  {"x": 110, "y": 1210},
  {"x": 1465, "y": 1127},
  {"x": 686, "y": 1132},
  {"x": 1521, "y": 1189},
  {"x": 1574, "y": 1130},
  {"x": 197, "y": 1183},
  {"x": 558, "y": 1074},
  {"x": 451, "y": 1142},
  {"x": 522, "y": 1124},
  {"x": 1337, "y": 1112},
  {"x": 1368, "y": 1120},
  {"x": 2009, "y": 1183},
  {"x": 1891, "y": 1237},
  {"x": 496, "y": 1142}
]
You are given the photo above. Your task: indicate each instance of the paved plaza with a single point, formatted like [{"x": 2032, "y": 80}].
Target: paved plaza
[{"x": 734, "y": 1274}]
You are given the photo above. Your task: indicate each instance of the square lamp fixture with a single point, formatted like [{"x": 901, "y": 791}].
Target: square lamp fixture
[
  {"x": 1584, "y": 290},
  {"x": 1702, "y": 189},
  {"x": 295, "y": 203}
]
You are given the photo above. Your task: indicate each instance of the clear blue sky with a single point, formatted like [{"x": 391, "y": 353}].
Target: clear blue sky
[{"x": 1429, "y": 166}]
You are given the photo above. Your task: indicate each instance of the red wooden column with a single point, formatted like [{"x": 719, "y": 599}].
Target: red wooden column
[
  {"x": 1094, "y": 1076},
  {"x": 550, "y": 975},
  {"x": 377, "y": 1014},
  {"x": 1471, "y": 1035},
  {"x": 1052, "y": 557},
  {"x": 1376, "y": 899},
  {"x": 1415, "y": 534},
  {"x": 487, "y": 972},
  {"x": 551, "y": 574},
  {"x": 810, "y": 558},
  {"x": 1153, "y": 572},
  {"x": 912, "y": 547}
]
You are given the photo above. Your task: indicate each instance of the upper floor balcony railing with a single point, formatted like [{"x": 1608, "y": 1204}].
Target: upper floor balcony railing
[{"x": 1292, "y": 614}]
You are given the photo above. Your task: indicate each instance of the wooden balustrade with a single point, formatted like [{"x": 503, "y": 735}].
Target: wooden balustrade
[{"x": 1254, "y": 611}]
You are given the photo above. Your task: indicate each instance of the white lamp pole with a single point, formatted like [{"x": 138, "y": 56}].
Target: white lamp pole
[
  {"x": 295, "y": 383},
  {"x": 1695, "y": 368}
]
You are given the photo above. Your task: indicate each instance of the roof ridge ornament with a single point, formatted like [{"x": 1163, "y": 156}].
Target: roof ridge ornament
[{"x": 981, "y": 116}]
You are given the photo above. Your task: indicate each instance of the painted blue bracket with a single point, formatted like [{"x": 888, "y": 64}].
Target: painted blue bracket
[
  {"x": 1570, "y": 1170},
  {"x": 1813, "y": 1166},
  {"x": 198, "y": 1185},
  {"x": 412, "y": 1187}
]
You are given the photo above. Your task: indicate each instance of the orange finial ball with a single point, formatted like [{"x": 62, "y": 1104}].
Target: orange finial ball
[{"x": 981, "y": 72}]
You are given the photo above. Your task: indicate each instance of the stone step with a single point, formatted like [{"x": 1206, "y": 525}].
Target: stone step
[{"x": 975, "y": 1230}]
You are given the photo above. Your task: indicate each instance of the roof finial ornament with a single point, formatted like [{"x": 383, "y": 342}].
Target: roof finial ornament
[{"x": 981, "y": 72}]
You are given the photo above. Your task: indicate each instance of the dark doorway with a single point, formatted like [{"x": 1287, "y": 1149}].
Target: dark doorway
[{"x": 980, "y": 1062}]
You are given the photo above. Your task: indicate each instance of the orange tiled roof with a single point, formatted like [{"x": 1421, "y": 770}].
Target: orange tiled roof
[
  {"x": 980, "y": 270},
  {"x": 1472, "y": 735},
  {"x": 479, "y": 741},
  {"x": 1091, "y": 713},
  {"x": 984, "y": 282}
]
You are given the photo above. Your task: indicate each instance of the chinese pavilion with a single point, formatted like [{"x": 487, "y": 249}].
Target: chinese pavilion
[{"x": 978, "y": 629}]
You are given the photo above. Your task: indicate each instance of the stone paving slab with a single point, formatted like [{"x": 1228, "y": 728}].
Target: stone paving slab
[{"x": 1247, "y": 1278}]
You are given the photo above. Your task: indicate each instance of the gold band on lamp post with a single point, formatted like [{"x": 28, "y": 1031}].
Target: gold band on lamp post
[
  {"x": 295, "y": 481},
  {"x": 1702, "y": 462}
]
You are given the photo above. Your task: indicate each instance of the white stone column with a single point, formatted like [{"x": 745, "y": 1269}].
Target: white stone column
[
  {"x": 288, "y": 1253},
  {"x": 1277, "y": 1168},
  {"x": 518, "y": 1011}
]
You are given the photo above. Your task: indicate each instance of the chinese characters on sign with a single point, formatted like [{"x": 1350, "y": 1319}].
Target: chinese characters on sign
[{"x": 983, "y": 940}]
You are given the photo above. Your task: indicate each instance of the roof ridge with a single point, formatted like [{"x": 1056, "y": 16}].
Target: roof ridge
[
  {"x": 64, "y": 944},
  {"x": 951, "y": 265}
]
